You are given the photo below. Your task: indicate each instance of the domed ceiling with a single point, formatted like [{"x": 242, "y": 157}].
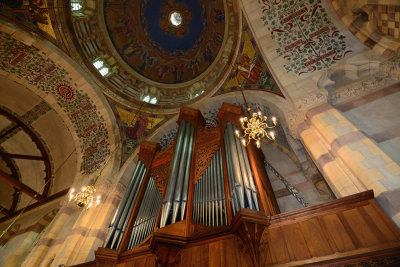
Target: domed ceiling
[
  {"x": 170, "y": 50},
  {"x": 144, "y": 34}
]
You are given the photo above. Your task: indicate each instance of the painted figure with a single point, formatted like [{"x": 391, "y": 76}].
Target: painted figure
[{"x": 251, "y": 71}]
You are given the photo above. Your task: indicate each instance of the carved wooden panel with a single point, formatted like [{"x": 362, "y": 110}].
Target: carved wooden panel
[
  {"x": 207, "y": 144},
  {"x": 161, "y": 165}
]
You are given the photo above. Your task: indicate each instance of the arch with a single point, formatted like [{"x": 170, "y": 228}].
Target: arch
[{"x": 50, "y": 74}]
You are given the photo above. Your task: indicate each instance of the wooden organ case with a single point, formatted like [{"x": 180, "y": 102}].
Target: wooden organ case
[{"x": 207, "y": 201}]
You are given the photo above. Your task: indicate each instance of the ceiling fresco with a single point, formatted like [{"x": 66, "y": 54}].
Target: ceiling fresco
[
  {"x": 34, "y": 15},
  {"x": 145, "y": 38},
  {"x": 307, "y": 37},
  {"x": 252, "y": 71},
  {"x": 134, "y": 126}
]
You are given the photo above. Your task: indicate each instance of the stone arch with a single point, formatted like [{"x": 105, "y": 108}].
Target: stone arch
[{"x": 51, "y": 75}]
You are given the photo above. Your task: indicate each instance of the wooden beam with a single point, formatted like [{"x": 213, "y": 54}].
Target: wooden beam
[
  {"x": 20, "y": 156},
  {"x": 39, "y": 145},
  {"x": 5, "y": 211},
  {"x": 37, "y": 204},
  {"x": 23, "y": 187},
  {"x": 12, "y": 129}
]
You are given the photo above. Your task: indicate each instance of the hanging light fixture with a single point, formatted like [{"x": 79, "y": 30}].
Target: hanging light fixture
[
  {"x": 86, "y": 196},
  {"x": 255, "y": 126}
]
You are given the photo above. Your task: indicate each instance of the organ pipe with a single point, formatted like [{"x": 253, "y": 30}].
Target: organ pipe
[
  {"x": 147, "y": 215},
  {"x": 118, "y": 226},
  {"x": 180, "y": 172},
  {"x": 209, "y": 194},
  {"x": 239, "y": 172}
]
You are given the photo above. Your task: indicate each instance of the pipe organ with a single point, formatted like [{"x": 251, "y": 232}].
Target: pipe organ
[
  {"x": 196, "y": 185},
  {"x": 206, "y": 200}
]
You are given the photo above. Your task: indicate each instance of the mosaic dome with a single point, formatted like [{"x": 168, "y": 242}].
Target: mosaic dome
[
  {"x": 164, "y": 50},
  {"x": 159, "y": 54}
]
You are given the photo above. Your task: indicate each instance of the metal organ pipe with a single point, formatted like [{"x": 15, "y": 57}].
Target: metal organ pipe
[
  {"x": 251, "y": 178},
  {"x": 147, "y": 215},
  {"x": 209, "y": 194},
  {"x": 172, "y": 179},
  {"x": 236, "y": 166},
  {"x": 239, "y": 167},
  {"x": 231, "y": 179},
  {"x": 221, "y": 191},
  {"x": 244, "y": 173},
  {"x": 180, "y": 180},
  {"x": 118, "y": 227},
  {"x": 176, "y": 193},
  {"x": 187, "y": 173}
]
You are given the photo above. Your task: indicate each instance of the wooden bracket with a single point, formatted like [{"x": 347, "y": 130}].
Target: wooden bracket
[{"x": 249, "y": 225}]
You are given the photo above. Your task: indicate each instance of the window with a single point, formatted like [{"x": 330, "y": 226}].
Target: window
[
  {"x": 153, "y": 100},
  {"x": 150, "y": 100},
  {"x": 76, "y": 5},
  {"x": 197, "y": 94},
  {"x": 146, "y": 99},
  {"x": 101, "y": 67}
]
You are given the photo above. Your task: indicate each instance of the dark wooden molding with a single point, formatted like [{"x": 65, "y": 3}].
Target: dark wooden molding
[
  {"x": 20, "y": 156},
  {"x": 332, "y": 206},
  {"x": 37, "y": 204},
  {"x": 39, "y": 145},
  {"x": 21, "y": 186},
  {"x": 5, "y": 211}
]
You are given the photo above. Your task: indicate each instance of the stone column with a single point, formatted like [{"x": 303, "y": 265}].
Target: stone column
[
  {"x": 39, "y": 252},
  {"x": 90, "y": 229},
  {"x": 20, "y": 252},
  {"x": 350, "y": 161}
]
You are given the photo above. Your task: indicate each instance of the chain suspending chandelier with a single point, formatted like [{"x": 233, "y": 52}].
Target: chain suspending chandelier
[{"x": 255, "y": 126}]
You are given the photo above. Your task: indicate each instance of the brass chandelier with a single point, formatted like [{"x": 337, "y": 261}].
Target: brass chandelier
[
  {"x": 255, "y": 126},
  {"x": 85, "y": 197}
]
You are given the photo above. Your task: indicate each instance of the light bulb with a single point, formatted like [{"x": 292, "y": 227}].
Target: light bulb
[
  {"x": 237, "y": 133},
  {"x": 258, "y": 144},
  {"x": 274, "y": 119},
  {"x": 83, "y": 188},
  {"x": 272, "y": 134},
  {"x": 241, "y": 119}
]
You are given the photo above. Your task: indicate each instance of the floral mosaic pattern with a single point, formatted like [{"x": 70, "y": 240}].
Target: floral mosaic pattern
[
  {"x": 167, "y": 138},
  {"x": 307, "y": 38},
  {"x": 253, "y": 73},
  {"x": 27, "y": 63},
  {"x": 134, "y": 126}
]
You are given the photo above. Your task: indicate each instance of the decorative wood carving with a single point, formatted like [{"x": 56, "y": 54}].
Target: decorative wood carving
[
  {"x": 207, "y": 144},
  {"x": 146, "y": 152},
  {"x": 160, "y": 176},
  {"x": 249, "y": 225}
]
